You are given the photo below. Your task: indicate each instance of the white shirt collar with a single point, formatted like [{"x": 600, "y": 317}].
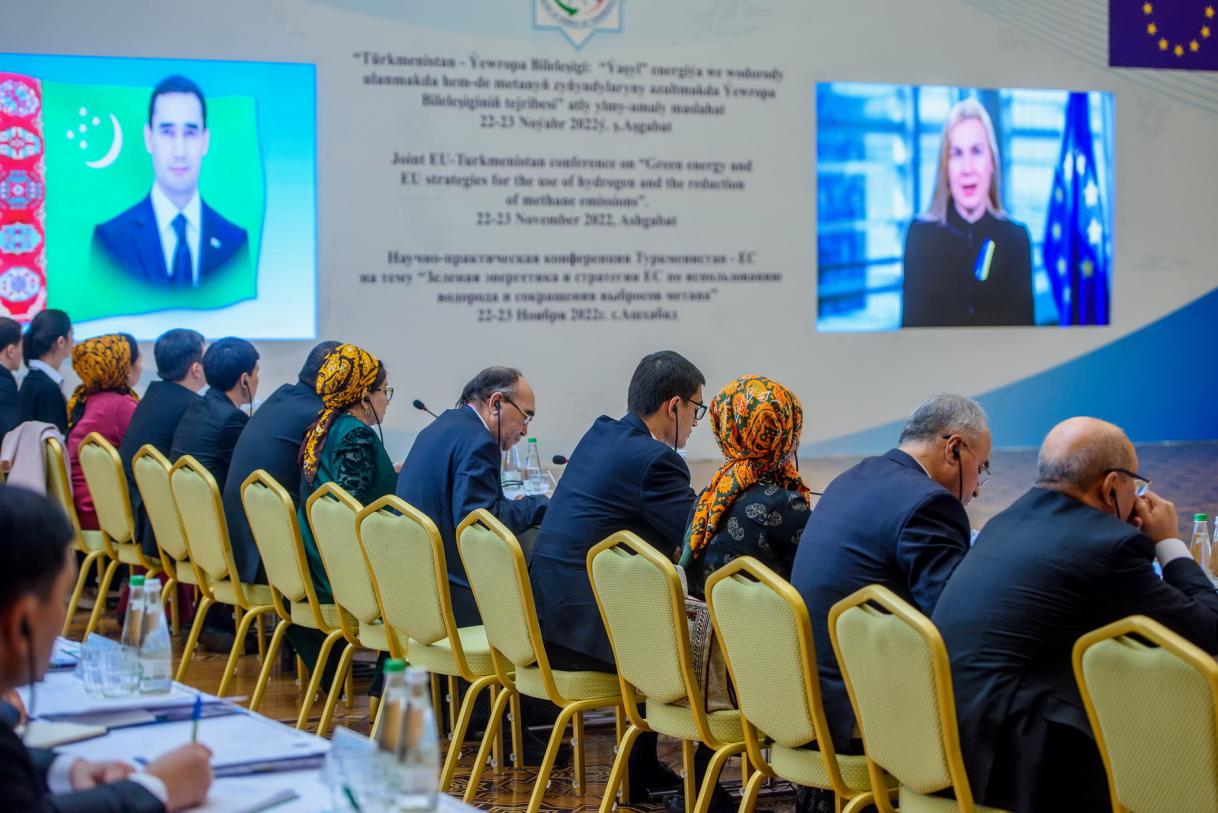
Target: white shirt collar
[
  {"x": 52, "y": 373},
  {"x": 479, "y": 414}
]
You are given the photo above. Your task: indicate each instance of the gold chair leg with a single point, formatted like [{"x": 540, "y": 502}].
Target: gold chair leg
[
  {"x": 260, "y": 630},
  {"x": 547, "y": 762},
  {"x": 493, "y": 726},
  {"x": 349, "y": 690},
  {"x": 690, "y": 784},
  {"x": 169, "y": 593},
  {"x": 517, "y": 731},
  {"x": 374, "y": 708},
  {"x": 577, "y": 748},
  {"x": 497, "y": 746},
  {"x": 192, "y": 640},
  {"x": 749, "y": 800},
  {"x": 79, "y": 590},
  {"x": 310, "y": 692},
  {"x": 234, "y": 654},
  {"x": 619, "y": 731},
  {"x": 861, "y": 802},
  {"x": 435, "y": 704},
  {"x": 302, "y": 672},
  {"x": 344, "y": 666},
  {"x": 713, "y": 769},
  {"x": 617, "y": 775},
  {"x": 264, "y": 677},
  {"x": 377, "y": 716},
  {"x": 744, "y": 768},
  {"x": 458, "y": 737},
  {"x": 451, "y": 699},
  {"x": 102, "y": 589}
]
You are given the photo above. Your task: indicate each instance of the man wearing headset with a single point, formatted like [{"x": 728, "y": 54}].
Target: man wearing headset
[{"x": 37, "y": 570}]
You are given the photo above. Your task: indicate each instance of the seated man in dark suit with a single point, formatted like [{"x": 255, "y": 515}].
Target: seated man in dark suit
[
  {"x": 896, "y": 520},
  {"x": 271, "y": 441},
  {"x": 453, "y": 469},
  {"x": 624, "y": 475},
  {"x": 10, "y": 362},
  {"x": 1074, "y": 553},
  {"x": 172, "y": 238},
  {"x": 37, "y": 571},
  {"x": 179, "y": 365}
]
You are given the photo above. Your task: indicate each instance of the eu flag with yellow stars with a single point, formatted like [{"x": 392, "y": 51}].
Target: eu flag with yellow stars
[
  {"x": 1076, "y": 247},
  {"x": 1180, "y": 34}
]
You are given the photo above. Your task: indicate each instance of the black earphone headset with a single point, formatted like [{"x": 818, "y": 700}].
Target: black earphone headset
[
  {"x": 28, "y": 635},
  {"x": 959, "y": 474}
]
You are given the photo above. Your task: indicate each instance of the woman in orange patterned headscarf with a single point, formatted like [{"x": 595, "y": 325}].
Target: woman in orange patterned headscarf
[
  {"x": 109, "y": 368},
  {"x": 756, "y": 503}
]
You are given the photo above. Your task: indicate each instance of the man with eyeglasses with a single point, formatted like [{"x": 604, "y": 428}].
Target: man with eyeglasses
[
  {"x": 1074, "y": 553},
  {"x": 453, "y": 469},
  {"x": 898, "y": 520}
]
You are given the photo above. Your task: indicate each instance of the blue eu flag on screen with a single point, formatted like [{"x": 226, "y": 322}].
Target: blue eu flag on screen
[{"x": 1076, "y": 231}]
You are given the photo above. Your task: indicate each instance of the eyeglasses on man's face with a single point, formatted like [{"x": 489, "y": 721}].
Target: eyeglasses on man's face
[
  {"x": 983, "y": 466},
  {"x": 1140, "y": 484},
  {"x": 699, "y": 408},
  {"x": 528, "y": 416}
]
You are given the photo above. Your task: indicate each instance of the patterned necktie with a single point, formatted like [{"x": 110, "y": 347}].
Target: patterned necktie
[{"x": 181, "y": 277}]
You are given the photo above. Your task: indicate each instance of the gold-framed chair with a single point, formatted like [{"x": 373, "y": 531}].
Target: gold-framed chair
[
  {"x": 151, "y": 469},
  {"x": 107, "y": 482},
  {"x": 907, "y": 715},
  {"x": 1152, "y": 699},
  {"x": 276, "y": 531},
  {"x": 88, "y": 543},
  {"x": 642, "y": 605},
  {"x": 202, "y": 512},
  {"x": 762, "y": 625},
  {"x": 332, "y": 514},
  {"x": 495, "y": 566},
  {"x": 404, "y": 550}
]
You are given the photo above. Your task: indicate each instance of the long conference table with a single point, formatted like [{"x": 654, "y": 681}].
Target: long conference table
[{"x": 254, "y": 757}]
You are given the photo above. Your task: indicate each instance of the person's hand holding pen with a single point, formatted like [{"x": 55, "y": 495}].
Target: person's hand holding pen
[{"x": 186, "y": 772}]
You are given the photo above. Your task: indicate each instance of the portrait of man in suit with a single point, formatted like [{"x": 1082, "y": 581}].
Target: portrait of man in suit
[{"x": 172, "y": 238}]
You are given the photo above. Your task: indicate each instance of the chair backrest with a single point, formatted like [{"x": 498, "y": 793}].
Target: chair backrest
[
  {"x": 1152, "y": 698},
  {"x": 58, "y": 486},
  {"x": 103, "y": 470},
  {"x": 276, "y": 531},
  {"x": 198, "y": 500},
  {"x": 763, "y": 627},
  {"x": 643, "y": 608},
  {"x": 332, "y": 513},
  {"x": 899, "y": 680},
  {"x": 494, "y": 565},
  {"x": 150, "y": 469},
  {"x": 405, "y": 554}
]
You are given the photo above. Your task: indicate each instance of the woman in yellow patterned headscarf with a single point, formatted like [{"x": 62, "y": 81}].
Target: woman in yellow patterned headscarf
[
  {"x": 340, "y": 447},
  {"x": 109, "y": 368},
  {"x": 757, "y": 423}
]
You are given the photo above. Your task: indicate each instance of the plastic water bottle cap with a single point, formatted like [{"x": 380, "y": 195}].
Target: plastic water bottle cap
[
  {"x": 532, "y": 440},
  {"x": 394, "y": 665},
  {"x": 1201, "y": 518},
  {"x": 137, "y": 581}
]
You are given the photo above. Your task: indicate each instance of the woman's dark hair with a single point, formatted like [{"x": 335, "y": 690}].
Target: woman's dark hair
[
  {"x": 36, "y": 533},
  {"x": 659, "y": 377},
  {"x": 133, "y": 346},
  {"x": 175, "y": 351},
  {"x": 45, "y": 329},
  {"x": 227, "y": 360},
  {"x": 10, "y": 332},
  {"x": 487, "y": 383},
  {"x": 382, "y": 375}
]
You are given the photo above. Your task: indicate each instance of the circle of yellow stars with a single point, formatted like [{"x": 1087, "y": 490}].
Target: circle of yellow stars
[{"x": 1178, "y": 48}]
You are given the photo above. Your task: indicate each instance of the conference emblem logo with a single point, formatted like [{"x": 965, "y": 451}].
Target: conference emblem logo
[{"x": 578, "y": 19}]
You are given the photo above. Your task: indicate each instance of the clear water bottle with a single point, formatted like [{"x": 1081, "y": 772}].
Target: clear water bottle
[
  {"x": 156, "y": 651},
  {"x": 418, "y": 753},
  {"x": 509, "y": 468},
  {"x": 393, "y": 704},
  {"x": 1200, "y": 546},
  {"x": 126, "y": 677},
  {"x": 534, "y": 477}
]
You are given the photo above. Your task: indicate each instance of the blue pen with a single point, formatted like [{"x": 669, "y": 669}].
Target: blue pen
[{"x": 194, "y": 718}]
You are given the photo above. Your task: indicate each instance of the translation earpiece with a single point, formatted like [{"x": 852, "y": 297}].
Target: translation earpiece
[{"x": 25, "y": 628}]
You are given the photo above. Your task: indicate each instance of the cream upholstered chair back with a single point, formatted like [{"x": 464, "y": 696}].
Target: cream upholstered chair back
[
  {"x": 332, "y": 513},
  {"x": 150, "y": 469},
  {"x": 276, "y": 531},
  {"x": 406, "y": 556},
  {"x": 496, "y": 570},
  {"x": 643, "y": 609},
  {"x": 899, "y": 680},
  {"x": 1152, "y": 698},
  {"x": 202, "y": 513},
  {"x": 103, "y": 470},
  {"x": 58, "y": 486},
  {"x": 762, "y": 624}
]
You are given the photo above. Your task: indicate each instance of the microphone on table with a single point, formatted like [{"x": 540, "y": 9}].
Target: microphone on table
[
  {"x": 559, "y": 460},
  {"x": 419, "y": 405}
]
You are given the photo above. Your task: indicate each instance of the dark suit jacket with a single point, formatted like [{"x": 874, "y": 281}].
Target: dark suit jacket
[
  {"x": 619, "y": 478},
  {"x": 451, "y": 470},
  {"x": 41, "y": 399},
  {"x": 884, "y": 521},
  {"x": 154, "y": 421},
  {"x": 23, "y": 786},
  {"x": 208, "y": 431},
  {"x": 8, "y": 401},
  {"x": 271, "y": 441},
  {"x": 132, "y": 242},
  {"x": 1042, "y": 573}
]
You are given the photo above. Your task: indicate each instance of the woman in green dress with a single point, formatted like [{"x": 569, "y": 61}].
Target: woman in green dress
[{"x": 340, "y": 446}]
